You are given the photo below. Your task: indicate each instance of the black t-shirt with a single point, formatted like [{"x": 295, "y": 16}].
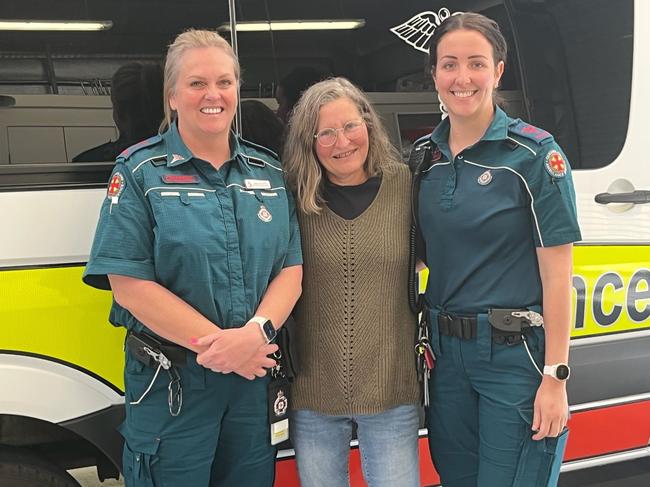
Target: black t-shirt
[{"x": 350, "y": 201}]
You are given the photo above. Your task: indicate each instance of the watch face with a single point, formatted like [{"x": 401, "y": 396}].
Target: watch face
[
  {"x": 562, "y": 372},
  {"x": 269, "y": 330}
]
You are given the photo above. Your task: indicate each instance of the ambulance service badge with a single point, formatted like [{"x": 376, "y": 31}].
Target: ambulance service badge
[
  {"x": 485, "y": 178},
  {"x": 554, "y": 164},
  {"x": 281, "y": 404},
  {"x": 264, "y": 214},
  {"x": 115, "y": 187}
]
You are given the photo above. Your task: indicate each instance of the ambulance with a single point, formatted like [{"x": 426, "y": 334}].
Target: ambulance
[{"x": 577, "y": 68}]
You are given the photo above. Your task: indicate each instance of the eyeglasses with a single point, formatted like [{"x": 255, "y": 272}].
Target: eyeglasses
[{"x": 351, "y": 130}]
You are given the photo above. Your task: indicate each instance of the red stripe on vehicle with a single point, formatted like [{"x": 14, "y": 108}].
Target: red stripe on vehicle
[{"x": 612, "y": 429}]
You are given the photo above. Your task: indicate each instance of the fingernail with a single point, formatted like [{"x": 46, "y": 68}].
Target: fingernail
[{"x": 194, "y": 341}]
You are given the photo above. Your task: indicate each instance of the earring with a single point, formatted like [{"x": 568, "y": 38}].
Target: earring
[{"x": 443, "y": 109}]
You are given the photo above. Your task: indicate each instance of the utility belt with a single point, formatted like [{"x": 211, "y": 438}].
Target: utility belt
[
  {"x": 507, "y": 324},
  {"x": 158, "y": 353},
  {"x": 152, "y": 351}
]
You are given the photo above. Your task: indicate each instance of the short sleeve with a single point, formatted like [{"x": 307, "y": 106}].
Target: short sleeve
[
  {"x": 294, "y": 250},
  {"x": 123, "y": 242},
  {"x": 550, "y": 182}
]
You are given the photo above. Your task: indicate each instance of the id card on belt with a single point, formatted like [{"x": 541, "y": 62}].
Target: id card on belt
[{"x": 279, "y": 390}]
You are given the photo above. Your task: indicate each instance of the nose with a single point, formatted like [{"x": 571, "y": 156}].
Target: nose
[
  {"x": 212, "y": 92},
  {"x": 464, "y": 76},
  {"x": 341, "y": 139}
]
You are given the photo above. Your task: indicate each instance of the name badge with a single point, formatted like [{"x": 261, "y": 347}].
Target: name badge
[
  {"x": 257, "y": 184},
  {"x": 279, "y": 393}
]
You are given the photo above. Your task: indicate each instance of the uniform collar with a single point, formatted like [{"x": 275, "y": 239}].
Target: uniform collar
[
  {"x": 178, "y": 153},
  {"x": 497, "y": 130}
]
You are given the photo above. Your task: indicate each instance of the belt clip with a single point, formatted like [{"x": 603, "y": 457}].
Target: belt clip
[
  {"x": 533, "y": 318},
  {"x": 159, "y": 357}
]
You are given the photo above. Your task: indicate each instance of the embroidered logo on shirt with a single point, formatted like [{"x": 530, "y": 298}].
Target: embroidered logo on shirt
[
  {"x": 485, "y": 178},
  {"x": 115, "y": 187},
  {"x": 554, "y": 164},
  {"x": 264, "y": 214}
]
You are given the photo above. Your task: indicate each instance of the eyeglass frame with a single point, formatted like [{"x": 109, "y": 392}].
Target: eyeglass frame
[{"x": 336, "y": 131}]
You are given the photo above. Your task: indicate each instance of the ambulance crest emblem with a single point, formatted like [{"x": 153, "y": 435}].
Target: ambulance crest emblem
[
  {"x": 555, "y": 164},
  {"x": 115, "y": 187},
  {"x": 264, "y": 214}
]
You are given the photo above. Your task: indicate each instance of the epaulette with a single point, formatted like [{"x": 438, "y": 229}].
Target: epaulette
[
  {"x": 422, "y": 142},
  {"x": 129, "y": 151},
  {"x": 260, "y": 148},
  {"x": 530, "y": 132}
]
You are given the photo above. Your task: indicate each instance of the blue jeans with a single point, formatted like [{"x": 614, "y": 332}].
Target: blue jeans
[{"x": 388, "y": 443}]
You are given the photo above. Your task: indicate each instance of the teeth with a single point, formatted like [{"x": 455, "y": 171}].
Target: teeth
[
  {"x": 463, "y": 94},
  {"x": 212, "y": 111},
  {"x": 344, "y": 154}
]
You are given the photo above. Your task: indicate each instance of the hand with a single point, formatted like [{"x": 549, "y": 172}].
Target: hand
[
  {"x": 234, "y": 349},
  {"x": 551, "y": 410},
  {"x": 258, "y": 365}
]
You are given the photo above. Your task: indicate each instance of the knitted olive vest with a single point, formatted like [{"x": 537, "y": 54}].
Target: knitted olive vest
[{"x": 355, "y": 329}]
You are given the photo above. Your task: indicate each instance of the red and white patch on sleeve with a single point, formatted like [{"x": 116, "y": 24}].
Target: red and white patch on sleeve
[
  {"x": 555, "y": 164},
  {"x": 116, "y": 186}
]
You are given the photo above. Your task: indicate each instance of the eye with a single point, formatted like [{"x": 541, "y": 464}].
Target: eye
[
  {"x": 326, "y": 137},
  {"x": 352, "y": 127},
  {"x": 196, "y": 83},
  {"x": 448, "y": 66},
  {"x": 478, "y": 64},
  {"x": 226, "y": 83}
]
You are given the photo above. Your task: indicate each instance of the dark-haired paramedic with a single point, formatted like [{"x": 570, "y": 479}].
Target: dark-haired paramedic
[{"x": 498, "y": 217}]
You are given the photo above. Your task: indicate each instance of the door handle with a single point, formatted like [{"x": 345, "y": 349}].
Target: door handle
[{"x": 635, "y": 197}]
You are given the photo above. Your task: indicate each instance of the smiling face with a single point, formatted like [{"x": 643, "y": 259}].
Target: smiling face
[
  {"x": 205, "y": 94},
  {"x": 466, "y": 75},
  {"x": 345, "y": 160}
]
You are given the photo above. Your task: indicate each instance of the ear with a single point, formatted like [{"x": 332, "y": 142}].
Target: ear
[
  {"x": 433, "y": 77},
  {"x": 172, "y": 101},
  {"x": 498, "y": 73}
]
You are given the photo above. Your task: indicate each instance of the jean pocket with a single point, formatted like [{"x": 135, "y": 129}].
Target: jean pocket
[
  {"x": 540, "y": 460},
  {"x": 141, "y": 461}
]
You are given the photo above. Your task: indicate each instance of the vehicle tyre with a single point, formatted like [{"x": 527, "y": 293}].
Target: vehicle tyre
[{"x": 22, "y": 468}]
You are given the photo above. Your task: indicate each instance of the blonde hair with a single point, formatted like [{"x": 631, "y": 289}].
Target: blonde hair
[
  {"x": 303, "y": 170},
  {"x": 190, "y": 39}
]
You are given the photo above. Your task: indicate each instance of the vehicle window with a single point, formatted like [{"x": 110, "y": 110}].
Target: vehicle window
[
  {"x": 568, "y": 71},
  {"x": 576, "y": 63}
]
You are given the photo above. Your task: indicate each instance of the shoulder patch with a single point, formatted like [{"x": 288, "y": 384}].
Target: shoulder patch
[
  {"x": 555, "y": 164},
  {"x": 523, "y": 129},
  {"x": 129, "y": 151},
  {"x": 115, "y": 186}
]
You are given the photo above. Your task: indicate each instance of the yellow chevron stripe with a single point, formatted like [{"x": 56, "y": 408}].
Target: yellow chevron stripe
[
  {"x": 598, "y": 293},
  {"x": 51, "y": 312}
]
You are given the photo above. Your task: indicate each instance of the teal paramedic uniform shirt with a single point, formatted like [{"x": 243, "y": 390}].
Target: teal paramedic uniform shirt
[
  {"x": 483, "y": 214},
  {"x": 215, "y": 238}
]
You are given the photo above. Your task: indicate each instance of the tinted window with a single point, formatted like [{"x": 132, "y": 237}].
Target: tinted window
[{"x": 568, "y": 70}]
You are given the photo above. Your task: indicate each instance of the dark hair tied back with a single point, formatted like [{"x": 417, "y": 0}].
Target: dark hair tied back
[{"x": 470, "y": 21}]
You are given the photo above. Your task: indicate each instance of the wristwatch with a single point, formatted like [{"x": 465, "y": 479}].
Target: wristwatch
[
  {"x": 266, "y": 327},
  {"x": 559, "y": 372}
]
